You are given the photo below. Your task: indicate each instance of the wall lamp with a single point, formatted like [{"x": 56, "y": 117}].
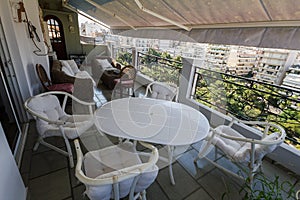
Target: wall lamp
[{"x": 18, "y": 11}]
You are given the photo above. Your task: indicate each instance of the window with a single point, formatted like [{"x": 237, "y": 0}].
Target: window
[{"x": 54, "y": 31}]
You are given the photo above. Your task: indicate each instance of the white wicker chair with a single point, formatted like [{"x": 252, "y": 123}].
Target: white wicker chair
[
  {"x": 51, "y": 119},
  {"x": 159, "y": 90},
  {"x": 240, "y": 149},
  {"x": 116, "y": 171}
]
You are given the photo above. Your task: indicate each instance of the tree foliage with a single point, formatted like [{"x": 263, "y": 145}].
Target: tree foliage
[{"x": 250, "y": 100}]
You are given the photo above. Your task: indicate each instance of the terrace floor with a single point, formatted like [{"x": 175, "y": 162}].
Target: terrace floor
[{"x": 48, "y": 176}]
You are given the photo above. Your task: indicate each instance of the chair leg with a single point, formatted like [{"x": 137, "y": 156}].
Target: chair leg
[
  {"x": 116, "y": 191},
  {"x": 53, "y": 147},
  {"x": 251, "y": 165},
  {"x": 170, "y": 154},
  {"x": 143, "y": 194},
  {"x": 69, "y": 150},
  {"x": 37, "y": 144},
  {"x": 132, "y": 188},
  {"x": 70, "y": 154}
]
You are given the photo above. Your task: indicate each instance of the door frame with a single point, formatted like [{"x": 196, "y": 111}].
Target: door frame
[{"x": 62, "y": 36}]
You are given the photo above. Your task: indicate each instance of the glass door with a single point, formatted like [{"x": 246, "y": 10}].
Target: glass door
[
  {"x": 11, "y": 104},
  {"x": 8, "y": 117}
]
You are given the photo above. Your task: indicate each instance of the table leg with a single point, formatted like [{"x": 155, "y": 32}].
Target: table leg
[{"x": 170, "y": 154}]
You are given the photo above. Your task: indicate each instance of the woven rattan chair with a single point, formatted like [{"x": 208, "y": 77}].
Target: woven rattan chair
[
  {"x": 124, "y": 85},
  {"x": 47, "y": 83}
]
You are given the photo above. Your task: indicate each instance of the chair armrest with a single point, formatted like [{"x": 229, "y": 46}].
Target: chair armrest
[
  {"x": 255, "y": 141},
  {"x": 118, "y": 66}
]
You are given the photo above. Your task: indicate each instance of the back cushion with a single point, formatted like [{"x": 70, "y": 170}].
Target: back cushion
[
  {"x": 47, "y": 106},
  {"x": 161, "y": 92},
  {"x": 73, "y": 66},
  {"x": 67, "y": 68},
  {"x": 104, "y": 63}
]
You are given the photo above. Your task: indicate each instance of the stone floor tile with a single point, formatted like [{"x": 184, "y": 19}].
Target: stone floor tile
[
  {"x": 198, "y": 169},
  {"x": 184, "y": 186},
  {"x": 78, "y": 193},
  {"x": 220, "y": 185},
  {"x": 56, "y": 141},
  {"x": 31, "y": 139},
  {"x": 155, "y": 191},
  {"x": 26, "y": 161},
  {"x": 47, "y": 162},
  {"x": 199, "y": 194},
  {"x": 53, "y": 186},
  {"x": 25, "y": 178}
]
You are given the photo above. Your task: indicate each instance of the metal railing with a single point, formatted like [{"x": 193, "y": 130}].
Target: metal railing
[
  {"x": 159, "y": 69},
  {"x": 249, "y": 99}
]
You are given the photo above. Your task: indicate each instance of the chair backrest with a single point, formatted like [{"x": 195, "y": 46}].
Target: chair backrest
[
  {"x": 84, "y": 91},
  {"x": 159, "y": 90},
  {"x": 115, "y": 171},
  {"x": 50, "y": 113},
  {"x": 45, "y": 81},
  {"x": 239, "y": 148},
  {"x": 44, "y": 109},
  {"x": 128, "y": 73}
]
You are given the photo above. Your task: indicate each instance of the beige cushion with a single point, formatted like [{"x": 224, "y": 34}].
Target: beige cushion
[
  {"x": 73, "y": 66},
  {"x": 104, "y": 63},
  {"x": 67, "y": 68},
  {"x": 70, "y": 65}
]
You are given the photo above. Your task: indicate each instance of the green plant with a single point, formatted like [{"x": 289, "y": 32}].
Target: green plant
[{"x": 267, "y": 189}]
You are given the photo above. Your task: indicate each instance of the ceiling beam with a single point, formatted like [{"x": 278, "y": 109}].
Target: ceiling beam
[
  {"x": 227, "y": 25},
  {"x": 260, "y": 24}
]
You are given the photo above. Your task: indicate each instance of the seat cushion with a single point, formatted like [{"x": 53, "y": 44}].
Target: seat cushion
[
  {"x": 66, "y": 87},
  {"x": 105, "y": 163},
  {"x": 146, "y": 179},
  {"x": 241, "y": 151},
  {"x": 124, "y": 82},
  {"x": 236, "y": 150}
]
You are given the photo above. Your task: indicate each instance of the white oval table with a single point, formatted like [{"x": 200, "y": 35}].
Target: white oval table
[{"x": 152, "y": 120}]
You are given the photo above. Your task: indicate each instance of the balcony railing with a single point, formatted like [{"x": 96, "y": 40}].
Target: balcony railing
[
  {"x": 159, "y": 69},
  {"x": 249, "y": 99},
  {"x": 244, "y": 98}
]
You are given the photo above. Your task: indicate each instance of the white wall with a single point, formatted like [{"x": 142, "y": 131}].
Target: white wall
[
  {"x": 11, "y": 184},
  {"x": 21, "y": 47}
]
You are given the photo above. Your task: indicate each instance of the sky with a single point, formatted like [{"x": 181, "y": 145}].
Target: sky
[{"x": 83, "y": 19}]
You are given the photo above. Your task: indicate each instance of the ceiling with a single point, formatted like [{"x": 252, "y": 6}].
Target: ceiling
[{"x": 235, "y": 21}]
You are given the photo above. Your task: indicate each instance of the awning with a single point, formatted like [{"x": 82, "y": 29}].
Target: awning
[{"x": 261, "y": 23}]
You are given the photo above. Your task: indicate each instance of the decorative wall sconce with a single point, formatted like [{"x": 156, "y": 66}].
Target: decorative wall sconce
[
  {"x": 72, "y": 29},
  {"x": 70, "y": 18},
  {"x": 18, "y": 11}
]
